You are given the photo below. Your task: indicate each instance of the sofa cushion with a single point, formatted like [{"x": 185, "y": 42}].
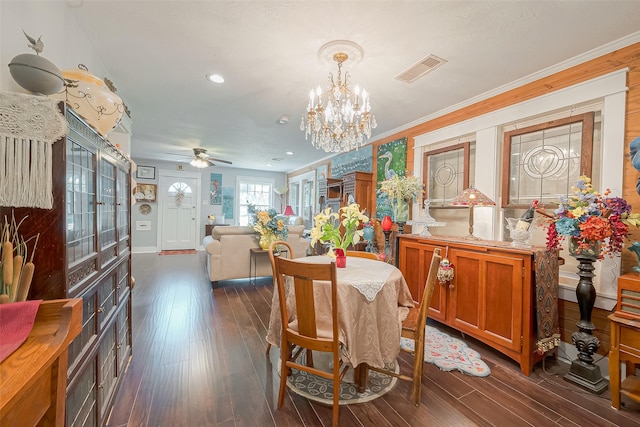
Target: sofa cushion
[{"x": 238, "y": 229}]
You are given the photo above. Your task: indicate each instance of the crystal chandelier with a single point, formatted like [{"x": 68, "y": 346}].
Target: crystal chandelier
[{"x": 339, "y": 120}]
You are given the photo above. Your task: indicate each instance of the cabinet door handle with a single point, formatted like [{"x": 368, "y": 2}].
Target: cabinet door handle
[
  {"x": 99, "y": 203},
  {"x": 100, "y": 310},
  {"x": 101, "y": 385}
]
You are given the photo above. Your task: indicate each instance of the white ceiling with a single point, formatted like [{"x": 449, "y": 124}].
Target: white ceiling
[{"x": 158, "y": 53}]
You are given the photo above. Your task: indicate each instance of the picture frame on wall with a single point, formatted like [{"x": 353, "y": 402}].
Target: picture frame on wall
[{"x": 146, "y": 172}]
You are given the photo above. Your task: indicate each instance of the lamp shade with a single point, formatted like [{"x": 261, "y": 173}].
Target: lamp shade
[
  {"x": 472, "y": 197},
  {"x": 386, "y": 223},
  {"x": 288, "y": 211}
]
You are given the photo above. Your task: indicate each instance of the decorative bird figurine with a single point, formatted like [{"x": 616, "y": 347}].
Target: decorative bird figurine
[{"x": 36, "y": 45}]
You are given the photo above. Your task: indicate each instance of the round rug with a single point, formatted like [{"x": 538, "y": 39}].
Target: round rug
[
  {"x": 449, "y": 353},
  {"x": 321, "y": 389}
]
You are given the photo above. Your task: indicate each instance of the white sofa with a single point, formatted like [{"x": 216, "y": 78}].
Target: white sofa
[{"x": 227, "y": 250}]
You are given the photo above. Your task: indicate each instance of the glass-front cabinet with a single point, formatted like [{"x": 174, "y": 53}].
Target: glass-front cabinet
[{"x": 83, "y": 251}]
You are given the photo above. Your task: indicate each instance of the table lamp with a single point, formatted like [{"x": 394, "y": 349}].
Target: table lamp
[
  {"x": 472, "y": 197},
  {"x": 386, "y": 225},
  {"x": 288, "y": 211}
]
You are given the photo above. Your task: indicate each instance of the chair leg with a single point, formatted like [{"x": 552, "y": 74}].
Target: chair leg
[
  {"x": 418, "y": 364},
  {"x": 336, "y": 397},
  {"x": 284, "y": 373},
  {"x": 268, "y": 348}
]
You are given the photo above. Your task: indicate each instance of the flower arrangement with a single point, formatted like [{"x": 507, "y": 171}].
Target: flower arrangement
[
  {"x": 211, "y": 217},
  {"x": 588, "y": 216},
  {"x": 329, "y": 226},
  {"x": 401, "y": 189},
  {"x": 267, "y": 224}
]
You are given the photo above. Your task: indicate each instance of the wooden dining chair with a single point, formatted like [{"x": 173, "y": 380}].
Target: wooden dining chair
[
  {"x": 413, "y": 327},
  {"x": 363, "y": 254},
  {"x": 273, "y": 253},
  {"x": 302, "y": 333}
]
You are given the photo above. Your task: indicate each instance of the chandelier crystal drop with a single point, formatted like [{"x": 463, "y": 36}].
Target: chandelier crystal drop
[{"x": 339, "y": 120}]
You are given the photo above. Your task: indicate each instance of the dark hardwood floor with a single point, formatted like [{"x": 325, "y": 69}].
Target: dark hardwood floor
[{"x": 199, "y": 360}]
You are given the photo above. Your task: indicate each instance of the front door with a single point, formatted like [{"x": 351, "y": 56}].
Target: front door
[{"x": 178, "y": 197}]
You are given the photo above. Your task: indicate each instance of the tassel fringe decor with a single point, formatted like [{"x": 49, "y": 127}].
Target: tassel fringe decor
[{"x": 29, "y": 125}]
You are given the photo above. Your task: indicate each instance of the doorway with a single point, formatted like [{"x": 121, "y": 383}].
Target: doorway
[{"x": 178, "y": 216}]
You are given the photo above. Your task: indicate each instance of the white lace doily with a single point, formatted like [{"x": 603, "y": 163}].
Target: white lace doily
[
  {"x": 31, "y": 117},
  {"x": 367, "y": 277}
]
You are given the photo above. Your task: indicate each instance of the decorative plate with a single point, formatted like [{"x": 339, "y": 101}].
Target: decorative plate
[{"x": 145, "y": 209}]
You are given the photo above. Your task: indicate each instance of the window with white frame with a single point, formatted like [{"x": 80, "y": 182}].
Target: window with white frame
[{"x": 255, "y": 191}]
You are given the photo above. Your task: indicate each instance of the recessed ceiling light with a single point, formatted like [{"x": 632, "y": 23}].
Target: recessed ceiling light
[
  {"x": 290, "y": 153},
  {"x": 283, "y": 120},
  {"x": 215, "y": 78},
  {"x": 269, "y": 164}
]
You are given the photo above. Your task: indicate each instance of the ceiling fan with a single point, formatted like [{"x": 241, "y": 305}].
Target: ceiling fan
[{"x": 202, "y": 160}]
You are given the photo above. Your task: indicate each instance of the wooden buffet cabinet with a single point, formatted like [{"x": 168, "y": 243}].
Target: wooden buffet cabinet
[
  {"x": 84, "y": 252},
  {"x": 491, "y": 297}
]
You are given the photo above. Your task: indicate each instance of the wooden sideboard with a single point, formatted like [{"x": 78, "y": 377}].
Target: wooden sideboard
[
  {"x": 33, "y": 378},
  {"x": 492, "y": 295}
]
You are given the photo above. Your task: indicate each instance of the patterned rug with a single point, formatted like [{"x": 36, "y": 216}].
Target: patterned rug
[
  {"x": 449, "y": 353},
  {"x": 321, "y": 390},
  {"x": 180, "y": 252}
]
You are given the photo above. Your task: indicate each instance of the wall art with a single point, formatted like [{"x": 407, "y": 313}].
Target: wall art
[
  {"x": 228, "y": 202},
  {"x": 356, "y": 160},
  {"x": 391, "y": 161},
  {"x": 215, "y": 189}
]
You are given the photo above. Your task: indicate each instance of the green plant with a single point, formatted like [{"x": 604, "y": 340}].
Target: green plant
[{"x": 339, "y": 229}]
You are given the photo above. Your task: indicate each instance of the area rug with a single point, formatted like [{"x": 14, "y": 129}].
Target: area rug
[
  {"x": 181, "y": 252},
  {"x": 449, "y": 353},
  {"x": 321, "y": 390}
]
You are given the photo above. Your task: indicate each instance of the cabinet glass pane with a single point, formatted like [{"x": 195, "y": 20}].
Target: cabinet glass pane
[
  {"x": 108, "y": 204},
  {"x": 123, "y": 204},
  {"x": 81, "y": 400},
  {"x": 80, "y": 208}
]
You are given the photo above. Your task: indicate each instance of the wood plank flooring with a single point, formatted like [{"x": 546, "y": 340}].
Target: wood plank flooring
[{"x": 199, "y": 360}]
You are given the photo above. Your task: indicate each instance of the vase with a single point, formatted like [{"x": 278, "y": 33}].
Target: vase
[
  {"x": 266, "y": 240},
  {"x": 583, "y": 372},
  {"x": 341, "y": 258},
  {"x": 92, "y": 99},
  {"x": 400, "y": 210},
  {"x": 590, "y": 248}
]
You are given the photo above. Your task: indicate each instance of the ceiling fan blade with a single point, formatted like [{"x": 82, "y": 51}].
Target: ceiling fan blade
[
  {"x": 209, "y": 162},
  {"x": 221, "y": 161}
]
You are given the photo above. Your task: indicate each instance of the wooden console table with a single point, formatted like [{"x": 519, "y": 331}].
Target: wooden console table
[
  {"x": 492, "y": 296},
  {"x": 625, "y": 347},
  {"x": 33, "y": 379}
]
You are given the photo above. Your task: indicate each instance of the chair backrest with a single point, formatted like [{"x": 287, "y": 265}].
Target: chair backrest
[
  {"x": 303, "y": 275},
  {"x": 362, "y": 254},
  {"x": 432, "y": 277}
]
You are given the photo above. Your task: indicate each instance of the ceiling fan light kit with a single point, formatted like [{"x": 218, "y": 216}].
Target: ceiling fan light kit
[{"x": 202, "y": 159}]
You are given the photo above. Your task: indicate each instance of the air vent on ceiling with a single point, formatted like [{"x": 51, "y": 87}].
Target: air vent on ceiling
[{"x": 421, "y": 68}]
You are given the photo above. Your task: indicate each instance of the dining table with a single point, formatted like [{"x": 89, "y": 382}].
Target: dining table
[{"x": 373, "y": 300}]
